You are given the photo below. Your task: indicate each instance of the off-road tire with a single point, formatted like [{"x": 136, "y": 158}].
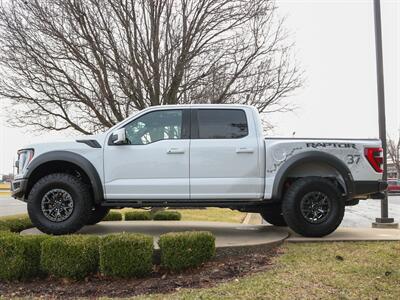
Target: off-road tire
[
  {"x": 293, "y": 214},
  {"x": 273, "y": 215},
  {"x": 79, "y": 193},
  {"x": 97, "y": 214}
]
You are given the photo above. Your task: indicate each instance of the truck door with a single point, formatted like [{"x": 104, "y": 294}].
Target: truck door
[
  {"x": 224, "y": 155},
  {"x": 155, "y": 162}
]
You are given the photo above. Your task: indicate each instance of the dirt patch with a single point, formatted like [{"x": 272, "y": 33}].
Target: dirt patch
[{"x": 160, "y": 281}]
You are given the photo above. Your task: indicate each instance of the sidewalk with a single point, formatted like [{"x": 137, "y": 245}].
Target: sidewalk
[
  {"x": 343, "y": 234},
  {"x": 339, "y": 235}
]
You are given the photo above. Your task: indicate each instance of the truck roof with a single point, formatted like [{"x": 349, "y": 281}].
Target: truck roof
[{"x": 199, "y": 106}]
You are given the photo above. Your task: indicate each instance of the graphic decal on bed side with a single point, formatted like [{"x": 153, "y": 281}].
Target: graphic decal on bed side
[{"x": 281, "y": 162}]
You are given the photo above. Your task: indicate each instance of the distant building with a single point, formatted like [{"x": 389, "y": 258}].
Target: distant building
[{"x": 7, "y": 178}]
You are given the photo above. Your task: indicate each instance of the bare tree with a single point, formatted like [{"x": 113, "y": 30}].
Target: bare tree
[
  {"x": 393, "y": 150},
  {"x": 87, "y": 65}
]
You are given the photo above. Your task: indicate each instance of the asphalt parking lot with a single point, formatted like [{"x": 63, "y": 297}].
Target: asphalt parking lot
[
  {"x": 10, "y": 206},
  {"x": 361, "y": 215}
]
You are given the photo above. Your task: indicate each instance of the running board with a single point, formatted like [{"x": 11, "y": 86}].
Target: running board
[{"x": 236, "y": 204}]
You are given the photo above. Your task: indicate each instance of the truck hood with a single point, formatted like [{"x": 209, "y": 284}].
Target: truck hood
[{"x": 74, "y": 144}]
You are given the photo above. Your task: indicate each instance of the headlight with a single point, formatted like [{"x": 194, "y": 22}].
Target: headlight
[{"x": 24, "y": 157}]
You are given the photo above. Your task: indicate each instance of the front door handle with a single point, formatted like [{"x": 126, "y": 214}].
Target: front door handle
[
  {"x": 244, "y": 150},
  {"x": 176, "y": 151}
]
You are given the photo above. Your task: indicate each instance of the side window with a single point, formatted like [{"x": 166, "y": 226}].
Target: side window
[
  {"x": 222, "y": 123},
  {"x": 155, "y": 126}
]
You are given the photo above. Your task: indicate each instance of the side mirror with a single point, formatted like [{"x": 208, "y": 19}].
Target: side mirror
[{"x": 119, "y": 137}]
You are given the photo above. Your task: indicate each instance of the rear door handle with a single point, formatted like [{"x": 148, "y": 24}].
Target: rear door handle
[
  {"x": 244, "y": 150},
  {"x": 176, "y": 151}
]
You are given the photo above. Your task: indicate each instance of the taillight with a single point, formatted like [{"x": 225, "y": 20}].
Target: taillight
[{"x": 375, "y": 158}]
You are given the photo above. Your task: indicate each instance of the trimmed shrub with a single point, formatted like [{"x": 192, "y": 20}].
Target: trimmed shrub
[
  {"x": 126, "y": 255},
  {"x": 15, "y": 223},
  {"x": 137, "y": 215},
  {"x": 182, "y": 250},
  {"x": 3, "y": 227},
  {"x": 167, "y": 215},
  {"x": 113, "y": 216},
  {"x": 74, "y": 256},
  {"x": 20, "y": 256}
]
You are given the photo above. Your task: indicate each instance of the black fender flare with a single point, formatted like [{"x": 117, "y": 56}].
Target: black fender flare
[
  {"x": 76, "y": 159},
  {"x": 315, "y": 157}
]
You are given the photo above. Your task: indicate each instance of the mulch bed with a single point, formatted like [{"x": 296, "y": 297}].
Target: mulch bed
[{"x": 160, "y": 281}]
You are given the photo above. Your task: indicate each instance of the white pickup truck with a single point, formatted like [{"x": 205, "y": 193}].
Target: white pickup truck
[{"x": 200, "y": 156}]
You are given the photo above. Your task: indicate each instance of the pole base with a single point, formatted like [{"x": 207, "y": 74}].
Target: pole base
[
  {"x": 385, "y": 223},
  {"x": 384, "y": 220}
]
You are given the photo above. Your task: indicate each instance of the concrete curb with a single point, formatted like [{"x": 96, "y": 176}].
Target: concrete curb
[
  {"x": 385, "y": 225},
  {"x": 246, "y": 219},
  {"x": 231, "y": 238},
  {"x": 252, "y": 219}
]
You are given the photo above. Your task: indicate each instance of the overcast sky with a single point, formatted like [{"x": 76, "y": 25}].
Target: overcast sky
[{"x": 335, "y": 46}]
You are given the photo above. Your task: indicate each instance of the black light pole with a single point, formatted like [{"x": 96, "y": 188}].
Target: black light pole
[{"x": 384, "y": 220}]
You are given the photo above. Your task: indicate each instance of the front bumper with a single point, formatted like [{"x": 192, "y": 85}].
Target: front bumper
[
  {"x": 18, "y": 188},
  {"x": 361, "y": 188}
]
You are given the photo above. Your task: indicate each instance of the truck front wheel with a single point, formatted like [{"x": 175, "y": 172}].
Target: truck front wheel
[
  {"x": 59, "y": 204},
  {"x": 313, "y": 207}
]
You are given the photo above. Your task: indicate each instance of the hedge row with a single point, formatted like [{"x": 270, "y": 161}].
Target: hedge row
[
  {"x": 22, "y": 222},
  {"x": 182, "y": 250},
  {"x": 166, "y": 215},
  {"x": 143, "y": 215},
  {"x": 20, "y": 256},
  {"x": 116, "y": 255},
  {"x": 113, "y": 216},
  {"x": 15, "y": 223},
  {"x": 73, "y": 256},
  {"x": 137, "y": 215},
  {"x": 126, "y": 255}
]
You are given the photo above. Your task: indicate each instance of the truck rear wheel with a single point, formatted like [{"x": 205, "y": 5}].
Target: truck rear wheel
[
  {"x": 97, "y": 214},
  {"x": 313, "y": 207},
  {"x": 273, "y": 215},
  {"x": 59, "y": 204}
]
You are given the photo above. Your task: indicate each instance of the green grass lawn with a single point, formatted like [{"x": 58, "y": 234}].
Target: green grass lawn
[
  {"x": 213, "y": 215},
  {"x": 351, "y": 270},
  {"x": 11, "y": 217},
  {"x": 208, "y": 214}
]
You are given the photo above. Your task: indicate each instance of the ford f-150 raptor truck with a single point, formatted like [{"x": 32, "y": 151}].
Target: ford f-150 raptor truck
[{"x": 200, "y": 156}]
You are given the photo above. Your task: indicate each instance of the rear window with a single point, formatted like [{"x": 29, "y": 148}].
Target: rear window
[{"x": 222, "y": 123}]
